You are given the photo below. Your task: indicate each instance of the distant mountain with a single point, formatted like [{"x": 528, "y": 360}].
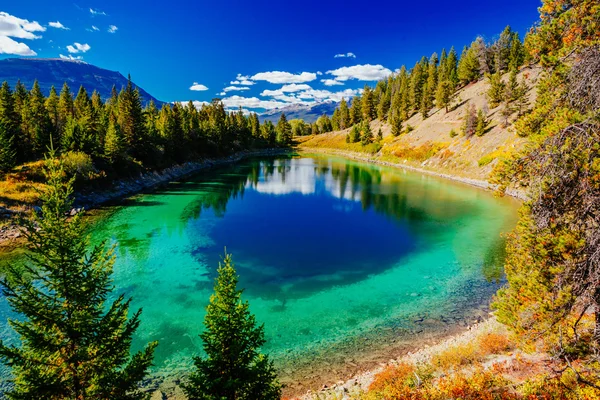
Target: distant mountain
[
  {"x": 309, "y": 113},
  {"x": 56, "y": 71}
]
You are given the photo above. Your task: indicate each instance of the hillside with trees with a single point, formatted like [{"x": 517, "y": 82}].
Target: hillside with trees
[{"x": 449, "y": 113}]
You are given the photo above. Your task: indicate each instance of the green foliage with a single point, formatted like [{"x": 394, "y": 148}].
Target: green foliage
[
  {"x": 481, "y": 124},
  {"x": 234, "y": 368},
  {"x": 354, "y": 135},
  {"x": 453, "y": 133},
  {"x": 366, "y": 135},
  {"x": 284, "y": 131},
  {"x": 496, "y": 91},
  {"x": 469, "y": 125},
  {"x": 74, "y": 344}
]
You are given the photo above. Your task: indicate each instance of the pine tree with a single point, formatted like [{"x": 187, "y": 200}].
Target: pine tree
[
  {"x": 344, "y": 115},
  {"x": 354, "y": 134},
  {"x": 39, "y": 124},
  {"x": 73, "y": 344},
  {"x": 356, "y": 110},
  {"x": 379, "y": 135},
  {"x": 8, "y": 153},
  {"x": 65, "y": 107},
  {"x": 52, "y": 102},
  {"x": 496, "y": 91},
  {"x": 367, "y": 106},
  {"x": 366, "y": 135},
  {"x": 9, "y": 129},
  {"x": 443, "y": 94},
  {"x": 481, "y": 123},
  {"x": 113, "y": 144},
  {"x": 516, "y": 53},
  {"x": 284, "y": 131},
  {"x": 512, "y": 86},
  {"x": 131, "y": 120},
  {"x": 521, "y": 97},
  {"x": 234, "y": 368},
  {"x": 469, "y": 120},
  {"x": 396, "y": 123},
  {"x": 468, "y": 66}
]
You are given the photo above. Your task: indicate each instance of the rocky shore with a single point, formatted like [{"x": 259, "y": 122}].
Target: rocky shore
[
  {"x": 351, "y": 388},
  {"x": 10, "y": 234}
]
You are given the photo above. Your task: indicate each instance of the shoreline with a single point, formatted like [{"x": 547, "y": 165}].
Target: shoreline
[
  {"x": 345, "y": 389},
  {"x": 120, "y": 189},
  {"x": 482, "y": 184}
]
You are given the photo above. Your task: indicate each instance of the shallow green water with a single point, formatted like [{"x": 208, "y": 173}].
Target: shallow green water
[{"x": 328, "y": 250}]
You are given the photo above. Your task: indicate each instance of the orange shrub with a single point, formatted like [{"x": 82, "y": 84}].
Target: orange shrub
[{"x": 493, "y": 343}]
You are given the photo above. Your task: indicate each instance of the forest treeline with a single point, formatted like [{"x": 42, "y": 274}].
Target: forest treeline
[
  {"x": 433, "y": 82},
  {"x": 120, "y": 135}
]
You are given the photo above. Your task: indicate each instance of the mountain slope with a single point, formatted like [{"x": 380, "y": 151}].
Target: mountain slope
[
  {"x": 309, "y": 113},
  {"x": 55, "y": 72},
  {"x": 429, "y": 145}
]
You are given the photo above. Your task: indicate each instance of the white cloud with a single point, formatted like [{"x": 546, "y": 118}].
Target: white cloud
[
  {"x": 112, "y": 29},
  {"x": 345, "y": 55},
  {"x": 366, "y": 72},
  {"x": 198, "y": 87},
  {"x": 94, "y": 28},
  {"x": 14, "y": 27},
  {"x": 331, "y": 82},
  {"x": 78, "y": 48},
  {"x": 252, "y": 102},
  {"x": 242, "y": 80},
  {"x": 292, "y": 88},
  {"x": 284, "y": 77},
  {"x": 70, "y": 57},
  {"x": 97, "y": 12},
  {"x": 326, "y": 95},
  {"x": 234, "y": 89},
  {"x": 58, "y": 25}
]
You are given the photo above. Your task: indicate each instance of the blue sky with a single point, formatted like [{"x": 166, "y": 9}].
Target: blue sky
[{"x": 275, "y": 53}]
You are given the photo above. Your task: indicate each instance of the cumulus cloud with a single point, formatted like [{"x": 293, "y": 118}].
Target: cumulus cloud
[
  {"x": 17, "y": 28},
  {"x": 294, "y": 87},
  {"x": 251, "y": 102},
  {"x": 366, "y": 72},
  {"x": 198, "y": 87},
  {"x": 70, "y": 57},
  {"x": 57, "y": 25},
  {"x": 331, "y": 82},
  {"x": 284, "y": 77},
  {"x": 78, "y": 48},
  {"x": 94, "y": 28},
  {"x": 326, "y": 95},
  {"x": 345, "y": 55},
  {"x": 234, "y": 89},
  {"x": 96, "y": 12},
  {"x": 112, "y": 29},
  {"x": 242, "y": 80}
]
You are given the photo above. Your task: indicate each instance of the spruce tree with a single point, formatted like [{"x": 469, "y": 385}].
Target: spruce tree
[
  {"x": 344, "y": 115},
  {"x": 8, "y": 153},
  {"x": 284, "y": 131},
  {"x": 39, "y": 124},
  {"x": 74, "y": 344},
  {"x": 234, "y": 368},
  {"x": 9, "y": 128},
  {"x": 65, "y": 107},
  {"x": 396, "y": 123},
  {"x": 481, "y": 124},
  {"x": 496, "y": 91},
  {"x": 366, "y": 136},
  {"x": 443, "y": 94},
  {"x": 367, "y": 106}
]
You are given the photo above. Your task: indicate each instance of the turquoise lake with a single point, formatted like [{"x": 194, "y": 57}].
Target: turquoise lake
[{"x": 333, "y": 254}]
